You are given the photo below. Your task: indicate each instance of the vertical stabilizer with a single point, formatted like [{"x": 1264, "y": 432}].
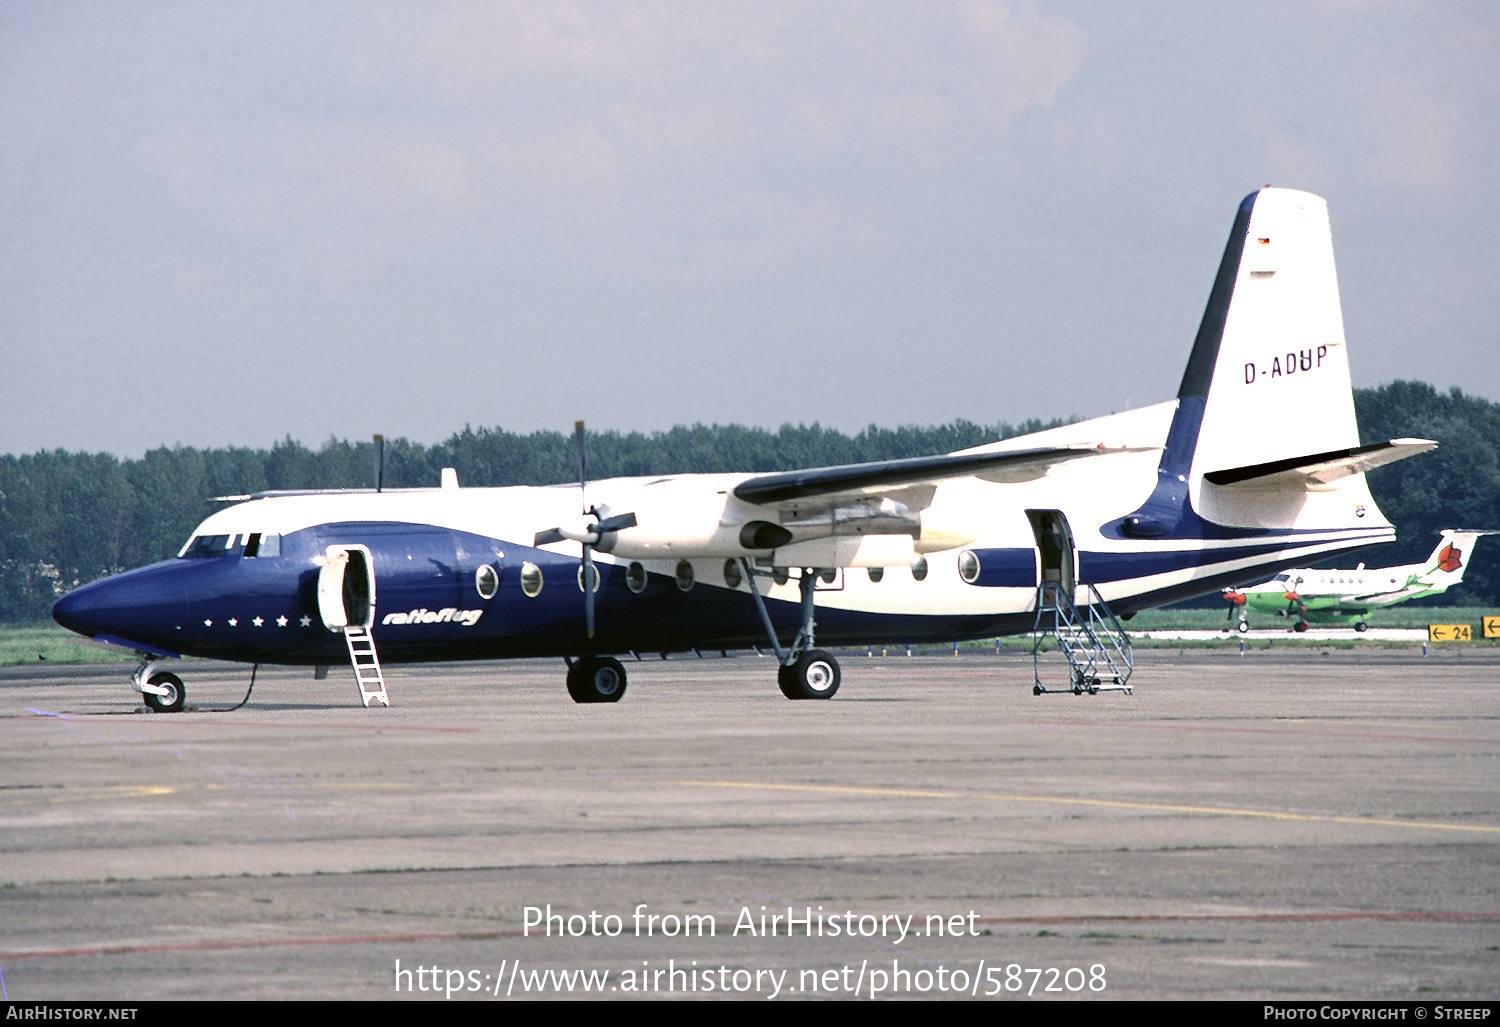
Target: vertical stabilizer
[
  {"x": 1445, "y": 567},
  {"x": 1279, "y": 386},
  {"x": 1266, "y": 388}
]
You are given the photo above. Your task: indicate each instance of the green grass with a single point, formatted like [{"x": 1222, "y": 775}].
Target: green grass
[
  {"x": 50, "y": 643},
  {"x": 1400, "y": 616}
]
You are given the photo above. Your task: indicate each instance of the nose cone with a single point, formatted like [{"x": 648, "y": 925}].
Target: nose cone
[
  {"x": 75, "y": 611},
  {"x": 138, "y": 606}
]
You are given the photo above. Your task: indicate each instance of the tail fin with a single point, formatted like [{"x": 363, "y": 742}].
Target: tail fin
[
  {"x": 1445, "y": 567},
  {"x": 1264, "y": 434}
]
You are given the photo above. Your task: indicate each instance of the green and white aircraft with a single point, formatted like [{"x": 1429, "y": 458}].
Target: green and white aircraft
[{"x": 1335, "y": 596}]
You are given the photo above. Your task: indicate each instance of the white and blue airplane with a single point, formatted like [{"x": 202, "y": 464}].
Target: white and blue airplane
[{"x": 1254, "y": 467}]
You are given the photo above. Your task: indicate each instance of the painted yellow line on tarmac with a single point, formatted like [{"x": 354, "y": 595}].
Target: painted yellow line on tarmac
[{"x": 1102, "y": 803}]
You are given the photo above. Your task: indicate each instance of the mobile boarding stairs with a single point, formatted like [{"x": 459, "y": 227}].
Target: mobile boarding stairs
[{"x": 1089, "y": 637}]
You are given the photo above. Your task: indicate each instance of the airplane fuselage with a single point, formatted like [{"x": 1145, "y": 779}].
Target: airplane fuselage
[{"x": 429, "y": 550}]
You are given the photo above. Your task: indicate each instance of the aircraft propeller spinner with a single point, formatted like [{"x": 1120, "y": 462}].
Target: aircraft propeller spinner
[{"x": 600, "y": 535}]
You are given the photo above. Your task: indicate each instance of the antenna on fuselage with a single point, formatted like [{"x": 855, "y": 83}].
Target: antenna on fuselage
[{"x": 379, "y": 462}]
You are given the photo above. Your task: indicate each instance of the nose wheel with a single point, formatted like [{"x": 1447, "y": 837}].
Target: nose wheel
[{"x": 171, "y": 695}]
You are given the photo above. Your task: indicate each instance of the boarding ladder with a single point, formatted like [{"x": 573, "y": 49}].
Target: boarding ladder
[
  {"x": 1096, "y": 647},
  {"x": 366, "y": 664}
]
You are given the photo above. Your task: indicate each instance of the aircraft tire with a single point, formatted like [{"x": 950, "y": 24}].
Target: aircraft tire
[
  {"x": 815, "y": 675},
  {"x": 1361, "y": 626},
  {"x": 1244, "y": 627},
  {"x": 596, "y": 679},
  {"x": 173, "y": 701},
  {"x": 1301, "y": 625}
]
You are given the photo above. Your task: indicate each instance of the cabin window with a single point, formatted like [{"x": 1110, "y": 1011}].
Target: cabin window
[
  {"x": 635, "y": 577},
  {"x": 732, "y": 575},
  {"x": 968, "y": 566},
  {"x": 531, "y": 579},
  {"x": 593, "y": 573},
  {"x": 919, "y": 569},
  {"x": 684, "y": 575},
  {"x": 487, "y": 582},
  {"x": 875, "y": 573}
]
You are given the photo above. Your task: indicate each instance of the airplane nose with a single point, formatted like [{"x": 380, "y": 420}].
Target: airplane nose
[
  {"x": 138, "y": 606},
  {"x": 73, "y": 611}
]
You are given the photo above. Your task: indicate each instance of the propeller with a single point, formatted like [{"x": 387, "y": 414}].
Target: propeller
[
  {"x": 1294, "y": 604},
  {"x": 1235, "y": 599},
  {"x": 600, "y": 535}
]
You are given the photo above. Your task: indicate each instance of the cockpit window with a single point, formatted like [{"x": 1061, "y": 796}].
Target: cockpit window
[
  {"x": 207, "y": 545},
  {"x": 262, "y": 545},
  {"x": 1284, "y": 576}
]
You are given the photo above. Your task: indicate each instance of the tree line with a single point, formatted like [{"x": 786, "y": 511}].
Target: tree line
[{"x": 68, "y": 518}]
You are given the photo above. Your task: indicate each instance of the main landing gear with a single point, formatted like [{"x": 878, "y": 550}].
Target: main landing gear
[
  {"x": 596, "y": 679},
  {"x": 815, "y": 675},
  {"x": 805, "y": 672}
]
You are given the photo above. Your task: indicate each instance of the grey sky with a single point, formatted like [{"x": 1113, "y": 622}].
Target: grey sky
[{"x": 221, "y": 224}]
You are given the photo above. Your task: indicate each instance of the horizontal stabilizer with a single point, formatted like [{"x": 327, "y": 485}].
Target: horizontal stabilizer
[
  {"x": 883, "y": 475},
  {"x": 1319, "y": 468}
]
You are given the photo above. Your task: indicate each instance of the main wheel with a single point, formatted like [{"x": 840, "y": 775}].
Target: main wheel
[
  {"x": 596, "y": 679},
  {"x": 1361, "y": 626},
  {"x": 1301, "y": 625},
  {"x": 815, "y": 675},
  {"x": 1244, "y": 627},
  {"x": 176, "y": 695},
  {"x": 786, "y": 677}
]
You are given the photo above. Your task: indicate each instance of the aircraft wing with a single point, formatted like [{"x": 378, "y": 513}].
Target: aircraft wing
[
  {"x": 1319, "y": 468},
  {"x": 883, "y": 476}
]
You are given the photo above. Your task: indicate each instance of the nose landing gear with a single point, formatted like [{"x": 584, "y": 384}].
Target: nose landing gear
[{"x": 172, "y": 696}]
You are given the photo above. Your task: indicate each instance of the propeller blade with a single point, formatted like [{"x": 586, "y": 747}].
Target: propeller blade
[
  {"x": 588, "y": 588},
  {"x": 582, "y": 466},
  {"x": 615, "y": 523},
  {"x": 549, "y": 536}
]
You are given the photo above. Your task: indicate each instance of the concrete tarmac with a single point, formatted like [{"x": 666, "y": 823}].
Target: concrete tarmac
[{"x": 1280, "y": 825}]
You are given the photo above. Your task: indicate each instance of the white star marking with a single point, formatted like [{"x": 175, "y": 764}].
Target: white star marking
[
  {"x": 233, "y": 623},
  {"x": 281, "y": 622},
  {"x": 306, "y": 620},
  {"x": 208, "y": 624},
  {"x": 257, "y": 622}
]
